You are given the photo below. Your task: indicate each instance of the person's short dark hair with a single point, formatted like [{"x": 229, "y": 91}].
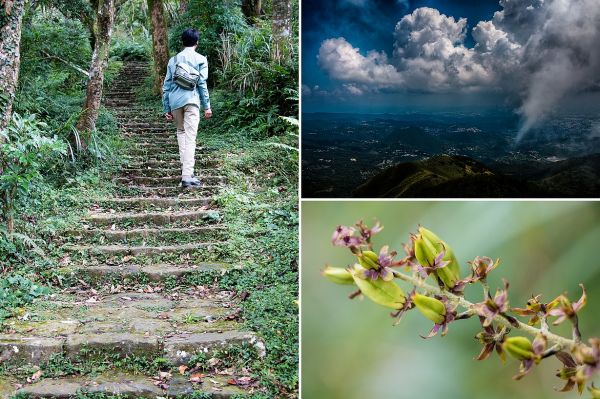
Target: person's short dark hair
[{"x": 189, "y": 37}]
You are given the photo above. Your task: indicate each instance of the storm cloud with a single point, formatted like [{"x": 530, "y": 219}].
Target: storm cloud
[{"x": 538, "y": 51}]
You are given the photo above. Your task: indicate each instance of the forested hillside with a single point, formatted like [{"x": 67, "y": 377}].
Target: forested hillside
[{"x": 114, "y": 280}]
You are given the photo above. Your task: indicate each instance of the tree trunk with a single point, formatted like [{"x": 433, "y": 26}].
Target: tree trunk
[
  {"x": 11, "y": 17},
  {"x": 105, "y": 15},
  {"x": 182, "y": 6},
  {"x": 251, "y": 9},
  {"x": 282, "y": 29},
  {"x": 160, "y": 51}
]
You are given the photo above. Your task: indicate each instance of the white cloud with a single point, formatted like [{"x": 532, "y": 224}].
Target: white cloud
[
  {"x": 353, "y": 89},
  {"x": 344, "y": 62},
  {"x": 538, "y": 50}
]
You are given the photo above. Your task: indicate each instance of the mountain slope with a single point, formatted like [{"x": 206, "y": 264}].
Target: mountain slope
[{"x": 444, "y": 176}]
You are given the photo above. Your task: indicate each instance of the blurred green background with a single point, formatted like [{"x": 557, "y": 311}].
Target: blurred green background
[{"x": 350, "y": 349}]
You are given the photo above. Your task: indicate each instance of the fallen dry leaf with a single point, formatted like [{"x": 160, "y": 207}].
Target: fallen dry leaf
[
  {"x": 240, "y": 381},
  {"x": 197, "y": 378},
  {"x": 182, "y": 369},
  {"x": 165, "y": 375},
  {"x": 36, "y": 376}
]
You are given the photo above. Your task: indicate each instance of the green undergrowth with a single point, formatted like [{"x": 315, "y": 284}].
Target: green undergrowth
[{"x": 259, "y": 211}]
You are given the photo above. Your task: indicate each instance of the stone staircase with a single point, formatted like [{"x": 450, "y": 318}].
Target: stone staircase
[{"x": 150, "y": 234}]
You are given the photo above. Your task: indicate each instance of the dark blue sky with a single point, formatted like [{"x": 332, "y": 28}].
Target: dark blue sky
[{"x": 370, "y": 26}]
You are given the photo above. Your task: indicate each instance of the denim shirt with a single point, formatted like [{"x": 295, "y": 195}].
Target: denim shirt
[{"x": 176, "y": 97}]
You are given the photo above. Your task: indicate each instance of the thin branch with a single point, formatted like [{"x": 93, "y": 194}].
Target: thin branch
[
  {"x": 563, "y": 343},
  {"x": 75, "y": 67}
]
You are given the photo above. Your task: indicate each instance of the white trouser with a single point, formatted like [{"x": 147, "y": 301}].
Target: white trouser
[{"x": 187, "y": 119}]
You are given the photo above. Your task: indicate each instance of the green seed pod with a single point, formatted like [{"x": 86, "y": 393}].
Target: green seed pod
[
  {"x": 427, "y": 247},
  {"x": 368, "y": 260},
  {"x": 385, "y": 293},
  {"x": 337, "y": 275},
  {"x": 430, "y": 307},
  {"x": 518, "y": 347}
]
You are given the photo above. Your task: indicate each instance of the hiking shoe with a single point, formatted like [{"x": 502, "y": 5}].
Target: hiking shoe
[{"x": 193, "y": 182}]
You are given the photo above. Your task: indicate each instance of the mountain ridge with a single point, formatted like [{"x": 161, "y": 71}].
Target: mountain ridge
[{"x": 461, "y": 176}]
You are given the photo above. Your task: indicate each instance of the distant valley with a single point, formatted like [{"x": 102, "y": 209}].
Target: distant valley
[{"x": 388, "y": 155}]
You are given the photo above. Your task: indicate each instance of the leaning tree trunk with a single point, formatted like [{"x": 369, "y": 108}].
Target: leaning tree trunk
[
  {"x": 251, "y": 9},
  {"x": 11, "y": 17},
  {"x": 105, "y": 16},
  {"x": 160, "y": 51},
  {"x": 282, "y": 29}
]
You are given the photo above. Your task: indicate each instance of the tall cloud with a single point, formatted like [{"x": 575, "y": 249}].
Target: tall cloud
[
  {"x": 537, "y": 50},
  {"x": 344, "y": 62}
]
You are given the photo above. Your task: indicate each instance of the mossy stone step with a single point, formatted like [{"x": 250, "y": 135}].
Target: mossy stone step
[
  {"x": 161, "y": 181},
  {"x": 146, "y": 325},
  {"x": 172, "y": 164},
  {"x": 124, "y": 250},
  {"x": 157, "y": 201},
  {"x": 156, "y": 272},
  {"x": 148, "y": 171},
  {"x": 177, "y": 348},
  {"x": 143, "y": 111},
  {"x": 109, "y": 235},
  {"x": 147, "y": 124},
  {"x": 128, "y": 386},
  {"x": 157, "y": 218},
  {"x": 169, "y": 191},
  {"x": 200, "y": 156}
]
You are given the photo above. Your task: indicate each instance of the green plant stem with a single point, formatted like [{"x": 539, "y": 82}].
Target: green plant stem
[{"x": 562, "y": 342}]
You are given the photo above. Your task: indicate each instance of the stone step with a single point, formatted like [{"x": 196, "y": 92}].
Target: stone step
[
  {"x": 125, "y": 250},
  {"x": 138, "y": 114},
  {"x": 111, "y": 96},
  {"x": 177, "y": 348},
  {"x": 156, "y": 218},
  {"x": 151, "y": 171},
  {"x": 129, "y": 386},
  {"x": 171, "y": 164},
  {"x": 146, "y": 325},
  {"x": 142, "y": 110},
  {"x": 156, "y": 201},
  {"x": 158, "y": 147},
  {"x": 152, "y": 234},
  {"x": 161, "y": 181},
  {"x": 143, "y": 124},
  {"x": 168, "y": 191},
  {"x": 154, "y": 272},
  {"x": 151, "y": 133},
  {"x": 129, "y": 127},
  {"x": 168, "y": 156},
  {"x": 126, "y": 114}
]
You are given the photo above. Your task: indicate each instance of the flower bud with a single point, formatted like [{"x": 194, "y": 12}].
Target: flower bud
[
  {"x": 427, "y": 247},
  {"x": 518, "y": 347},
  {"x": 338, "y": 275},
  {"x": 430, "y": 307},
  {"x": 385, "y": 293},
  {"x": 368, "y": 260},
  {"x": 594, "y": 391}
]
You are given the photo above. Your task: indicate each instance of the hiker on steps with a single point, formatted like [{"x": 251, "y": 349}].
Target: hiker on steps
[{"x": 184, "y": 89}]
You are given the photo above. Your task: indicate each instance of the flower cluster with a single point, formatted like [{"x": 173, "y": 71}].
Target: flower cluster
[{"x": 375, "y": 275}]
